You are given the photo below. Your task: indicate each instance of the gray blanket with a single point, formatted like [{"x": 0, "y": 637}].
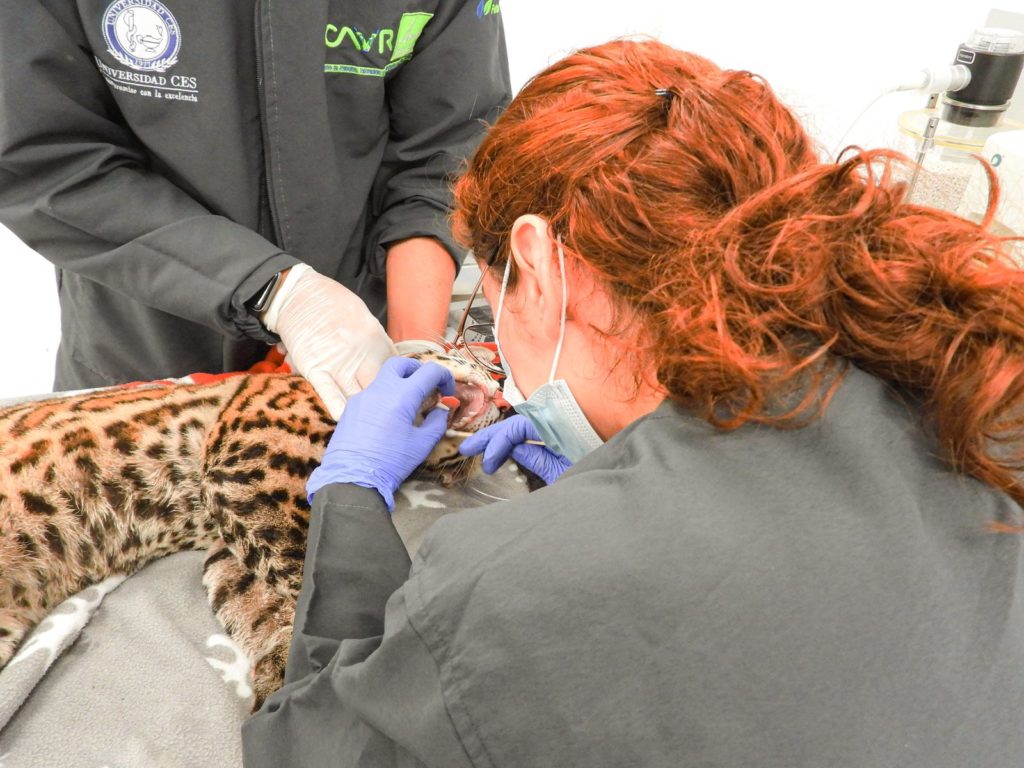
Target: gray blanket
[{"x": 137, "y": 672}]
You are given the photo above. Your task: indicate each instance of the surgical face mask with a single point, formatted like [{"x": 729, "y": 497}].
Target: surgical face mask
[{"x": 552, "y": 408}]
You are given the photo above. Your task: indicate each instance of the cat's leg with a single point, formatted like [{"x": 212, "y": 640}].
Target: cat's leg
[
  {"x": 23, "y": 601},
  {"x": 15, "y": 623},
  {"x": 265, "y": 532},
  {"x": 255, "y": 615}
]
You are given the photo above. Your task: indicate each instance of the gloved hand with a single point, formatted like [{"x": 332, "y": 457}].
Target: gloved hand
[
  {"x": 508, "y": 437},
  {"x": 377, "y": 443},
  {"x": 329, "y": 335}
]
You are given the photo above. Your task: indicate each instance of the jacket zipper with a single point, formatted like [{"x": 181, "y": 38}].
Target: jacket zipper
[{"x": 267, "y": 220}]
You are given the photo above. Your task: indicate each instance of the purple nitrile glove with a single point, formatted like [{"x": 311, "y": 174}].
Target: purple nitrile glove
[
  {"x": 498, "y": 441},
  {"x": 377, "y": 443}
]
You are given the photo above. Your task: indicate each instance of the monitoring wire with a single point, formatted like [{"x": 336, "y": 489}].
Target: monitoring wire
[
  {"x": 856, "y": 120},
  {"x": 949, "y": 78}
]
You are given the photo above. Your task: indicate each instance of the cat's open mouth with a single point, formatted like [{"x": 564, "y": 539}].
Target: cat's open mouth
[
  {"x": 475, "y": 402},
  {"x": 471, "y": 401}
]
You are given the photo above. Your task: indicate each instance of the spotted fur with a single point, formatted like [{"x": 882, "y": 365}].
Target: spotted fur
[{"x": 102, "y": 483}]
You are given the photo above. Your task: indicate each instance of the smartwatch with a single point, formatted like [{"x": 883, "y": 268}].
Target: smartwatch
[{"x": 261, "y": 299}]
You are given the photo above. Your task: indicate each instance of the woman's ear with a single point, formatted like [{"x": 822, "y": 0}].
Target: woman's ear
[{"x": 539, "y": 276}]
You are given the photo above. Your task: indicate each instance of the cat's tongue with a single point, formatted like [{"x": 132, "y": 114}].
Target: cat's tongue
[{"x": 465, "y": 406}]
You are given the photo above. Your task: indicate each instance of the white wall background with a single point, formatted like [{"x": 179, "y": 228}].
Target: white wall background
[{"x": 827, "y": 59}]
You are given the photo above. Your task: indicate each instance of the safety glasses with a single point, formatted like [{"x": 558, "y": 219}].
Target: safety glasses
[{"x": 477, "y": 341}]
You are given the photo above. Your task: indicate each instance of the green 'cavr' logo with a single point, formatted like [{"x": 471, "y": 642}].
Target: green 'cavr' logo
[{"x": 399, "y": 42}]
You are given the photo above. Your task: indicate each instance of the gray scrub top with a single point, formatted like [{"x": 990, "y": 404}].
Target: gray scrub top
[{"x": 829, "y": 596}]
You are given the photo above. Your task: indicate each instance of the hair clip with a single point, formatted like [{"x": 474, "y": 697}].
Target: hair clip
[{"x": 667, "y": 94}]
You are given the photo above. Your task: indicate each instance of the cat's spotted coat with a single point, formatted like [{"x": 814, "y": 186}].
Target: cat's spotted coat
[{"x": 102, "y": 483}]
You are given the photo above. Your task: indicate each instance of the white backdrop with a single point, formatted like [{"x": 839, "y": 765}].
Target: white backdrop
[{"x": 827, "y": 59}]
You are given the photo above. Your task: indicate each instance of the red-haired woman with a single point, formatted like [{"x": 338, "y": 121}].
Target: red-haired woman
[{"x": 792, "y": 406}]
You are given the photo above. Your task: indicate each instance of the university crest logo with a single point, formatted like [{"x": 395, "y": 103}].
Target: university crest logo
[{"x": 142, "y": 34}]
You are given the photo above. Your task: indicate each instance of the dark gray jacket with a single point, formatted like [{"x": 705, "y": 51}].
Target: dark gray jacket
[
  {"x": 828, "y": 596},
  {"x": 169, "y": 156}
]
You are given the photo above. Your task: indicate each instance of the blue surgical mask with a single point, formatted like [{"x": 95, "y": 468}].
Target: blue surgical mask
[{"x": 552, "y": 408}]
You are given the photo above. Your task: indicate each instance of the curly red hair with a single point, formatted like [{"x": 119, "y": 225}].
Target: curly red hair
[{"x": 756, "y": 271}]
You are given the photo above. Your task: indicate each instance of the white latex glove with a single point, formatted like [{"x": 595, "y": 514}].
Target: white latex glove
[{"x": 329, "y": 335}]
